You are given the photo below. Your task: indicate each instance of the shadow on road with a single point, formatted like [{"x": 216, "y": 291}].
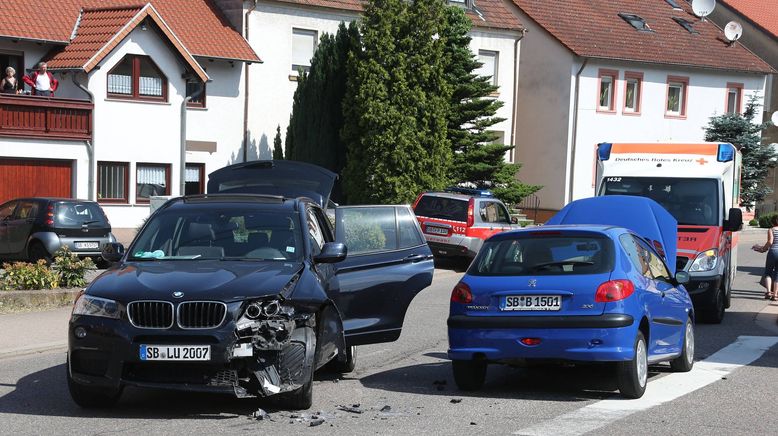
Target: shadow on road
[
  {"x": 457, "y": 264},
  {"x": 45, "y": 393}
]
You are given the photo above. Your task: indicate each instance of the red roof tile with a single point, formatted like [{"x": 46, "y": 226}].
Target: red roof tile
[
  {"x": 764, "y": 13},
  {"x": 98, "y": 31},
  {"x": 593, "y": 28},
  {"x": 198, "y": 23},
  {"x": 491, "y": 13}
]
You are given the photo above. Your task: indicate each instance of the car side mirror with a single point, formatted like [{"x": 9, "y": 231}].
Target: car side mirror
[
  {"x": 734, "y": 220},
  {"x": 682, "y": 277},
  {"x": 331, "y": 252},
  {"x": 113, "y": 252},
  {"x": 514, "y": 220}
]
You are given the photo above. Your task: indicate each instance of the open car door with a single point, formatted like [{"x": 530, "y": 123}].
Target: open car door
[{"x": 388, "y": 263}]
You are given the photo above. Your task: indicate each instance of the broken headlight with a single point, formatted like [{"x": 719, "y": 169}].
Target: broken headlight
[{"x": 96, "y": 306}]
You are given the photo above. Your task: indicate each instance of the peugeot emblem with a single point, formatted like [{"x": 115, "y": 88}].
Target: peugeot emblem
[
  {"x": 532, "y": 283},
  {"x": 178, "y": 294}
]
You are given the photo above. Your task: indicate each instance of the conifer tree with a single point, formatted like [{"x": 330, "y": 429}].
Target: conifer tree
[
  {"x": 396, "y": 104},
  {"x": 741, "y": 131},
  {"x": 278, "y": 152},
  {"x": 477, "y": 160}
]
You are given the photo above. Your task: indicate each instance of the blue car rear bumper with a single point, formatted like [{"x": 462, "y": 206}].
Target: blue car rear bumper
[{"x": 604, "y": 338}]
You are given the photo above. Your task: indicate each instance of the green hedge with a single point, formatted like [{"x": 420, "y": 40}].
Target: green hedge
[{"x": 765, "y": 221}]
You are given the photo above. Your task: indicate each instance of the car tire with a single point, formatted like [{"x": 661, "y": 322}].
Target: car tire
[
  {"x": 302, "y": 397},
  {"x": 344, "y": 363},
  {"x": 90, "y": 397},
  {"x": 469, "y": 375},
  {"x": 685, "y": 361},
  {"x": 633, "y": 375},
  {"x": 714, "y": 313},
  {"x": 37, "y": 252}
]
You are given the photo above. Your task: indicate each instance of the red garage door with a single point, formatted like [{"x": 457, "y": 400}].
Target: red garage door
[{"x": 35, "y": 178}]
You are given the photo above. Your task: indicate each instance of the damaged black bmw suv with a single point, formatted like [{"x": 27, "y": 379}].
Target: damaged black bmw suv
[{"x": 246, "y": 290}]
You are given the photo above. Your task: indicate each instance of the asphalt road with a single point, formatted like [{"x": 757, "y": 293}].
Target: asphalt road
[{"x": 406, "y": 387}]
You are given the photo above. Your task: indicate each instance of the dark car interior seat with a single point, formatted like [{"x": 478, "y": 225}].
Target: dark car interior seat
[{"x": 198, "y": 240}]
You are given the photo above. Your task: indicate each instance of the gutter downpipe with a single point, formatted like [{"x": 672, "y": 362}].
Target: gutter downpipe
[
  {"x": 182, "y": 172},
  {"x": 90, "y": 145},
  {"x": 516, "y": 90},
  {"x": 246, "y": 87},
  {"x": 575, "y": 131}
]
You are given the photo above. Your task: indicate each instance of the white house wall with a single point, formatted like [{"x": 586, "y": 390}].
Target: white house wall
[
  {"x": 706, "y": 98},
  {"x": 272, "y": 90},
  {"x": 133, "y": 131},
  {"x": 543, "y": 113}
]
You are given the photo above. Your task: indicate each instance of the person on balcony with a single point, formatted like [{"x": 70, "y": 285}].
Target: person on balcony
[
  {"x": 42, "y": 82},
  {"x": 9, "y": 84}
]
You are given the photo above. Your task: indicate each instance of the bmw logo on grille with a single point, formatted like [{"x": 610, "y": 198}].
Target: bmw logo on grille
[{"x": 178, "y": 294}]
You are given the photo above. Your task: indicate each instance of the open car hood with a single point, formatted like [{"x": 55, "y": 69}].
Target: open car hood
[
  {"x": 642, "y": 215},
  {"x": 274, "y": 177}
]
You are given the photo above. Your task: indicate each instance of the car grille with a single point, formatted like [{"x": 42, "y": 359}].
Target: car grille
[
  {"x": 151, "y": 314},
  {"x": 680, "y": 263},
  {"x": 201, "y": 314}
]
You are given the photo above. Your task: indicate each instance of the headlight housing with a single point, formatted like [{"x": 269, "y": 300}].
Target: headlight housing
[
  {"x": 96, "y": 306},
  {"x": 705, "y": 261}
]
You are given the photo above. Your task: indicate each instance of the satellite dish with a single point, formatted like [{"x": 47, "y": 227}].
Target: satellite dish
[
  {"x": 733, "y": 30},
  {"x": 774, "y": 118},
  {"x": 703, "y": 8}
]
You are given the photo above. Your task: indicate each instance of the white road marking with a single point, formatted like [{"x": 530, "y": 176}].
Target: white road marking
[{"x": 602, "y": 413}]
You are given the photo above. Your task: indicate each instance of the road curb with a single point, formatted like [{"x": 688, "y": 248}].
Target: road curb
[
  {"x": 16, "y": 301},
  {"x": 34, "y": 349}
]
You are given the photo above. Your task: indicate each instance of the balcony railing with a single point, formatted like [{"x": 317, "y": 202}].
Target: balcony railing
[{"x": 25, "y": 116}]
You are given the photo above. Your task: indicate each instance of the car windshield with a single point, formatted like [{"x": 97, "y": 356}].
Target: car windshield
[
  {"x": 544, "y": 255},
  {"x": 234, "y": 234},
  {"x": 432, "y": 206},
  {"x": 690, "y": 201},
  {"x": 77, "y": 213}
]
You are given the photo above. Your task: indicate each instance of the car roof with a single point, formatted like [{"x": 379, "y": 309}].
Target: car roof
[
  {"x": 607, "y": 230},
  {"x": 51, "y": 199},
  {"x": 264, "y": 201},
  {"x": 458, "y": 196}
]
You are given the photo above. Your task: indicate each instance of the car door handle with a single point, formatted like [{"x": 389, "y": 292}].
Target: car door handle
[{"x": 415, "y": 258}]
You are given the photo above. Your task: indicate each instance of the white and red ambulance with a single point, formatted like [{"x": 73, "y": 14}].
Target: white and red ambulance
[{"x": 699, "y": 184}]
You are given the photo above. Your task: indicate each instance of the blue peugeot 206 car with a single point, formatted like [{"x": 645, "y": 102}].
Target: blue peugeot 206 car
[{"x": 596, "y": 284}]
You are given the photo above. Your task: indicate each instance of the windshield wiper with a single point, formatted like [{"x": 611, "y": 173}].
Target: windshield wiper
[
  {"x": 546, "y": 265},
  {"x": 89, "y": 222}
]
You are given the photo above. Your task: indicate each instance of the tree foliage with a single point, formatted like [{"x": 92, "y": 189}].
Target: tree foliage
[
  {"x": 758, "y": 158},
  {"x": 314, "y": 128},
  {"x": 477, "y": 160},
  {"x": 278, "y": 152},
  {"x": 396, "y": 104}
]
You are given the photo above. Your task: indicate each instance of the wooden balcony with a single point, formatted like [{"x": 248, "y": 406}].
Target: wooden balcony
[{"x": 25, "y": 116}]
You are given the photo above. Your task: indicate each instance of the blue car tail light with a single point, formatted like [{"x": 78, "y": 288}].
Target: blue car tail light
[
  {"x": 614, "y": 290},
  {"x": 461, "y": 294},
  {"x": 726, "y": 153}
]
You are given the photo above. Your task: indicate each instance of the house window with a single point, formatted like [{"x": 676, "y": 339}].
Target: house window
[
  {"x": 303, "y": 46},
  {"x": 193, "y": 89},
  {"x": 137, "y": 77},
  {"x": 734, "y": 98},
  {"x": 112, "y": 182},
  {"x": 194, "y": 178},
  {"x": 461, "y": 3},
  {"x": 15, "y": 61},
  {"x": 489, "y": 62},
  {"x": 677, "y": 93},
  {"x": 606, "y": 97},
  {"x": 151, "y": 180},
  {"x": 636, "y": 21},
  {"x": 686, "y": 24},
  {"x": 633, "y": 87}
]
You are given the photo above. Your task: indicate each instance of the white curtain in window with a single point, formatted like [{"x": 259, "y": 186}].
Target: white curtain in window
[
  {"x": 489, "y": 67},
  {"x": 119, "y": 84},
  {"x": 150, "y": 86},
  {"x": 192, "y": 174},
  {"x": 151, "y": 175},
  {"x": 303, "y": 45}
]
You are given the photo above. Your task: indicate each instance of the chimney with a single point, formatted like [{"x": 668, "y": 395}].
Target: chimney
[{"x": 232, "y": 10}]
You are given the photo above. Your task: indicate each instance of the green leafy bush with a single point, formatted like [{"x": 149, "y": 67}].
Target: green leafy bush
[
  {"x": 22, "y": 275},
  {"x": 70, "y": 269},
  {"x": 753, "y": 222},
  {"x": 765, "y": 221}
]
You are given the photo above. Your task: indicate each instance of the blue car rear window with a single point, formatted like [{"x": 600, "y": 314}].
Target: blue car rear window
[{"x": 544, "y": 255}]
